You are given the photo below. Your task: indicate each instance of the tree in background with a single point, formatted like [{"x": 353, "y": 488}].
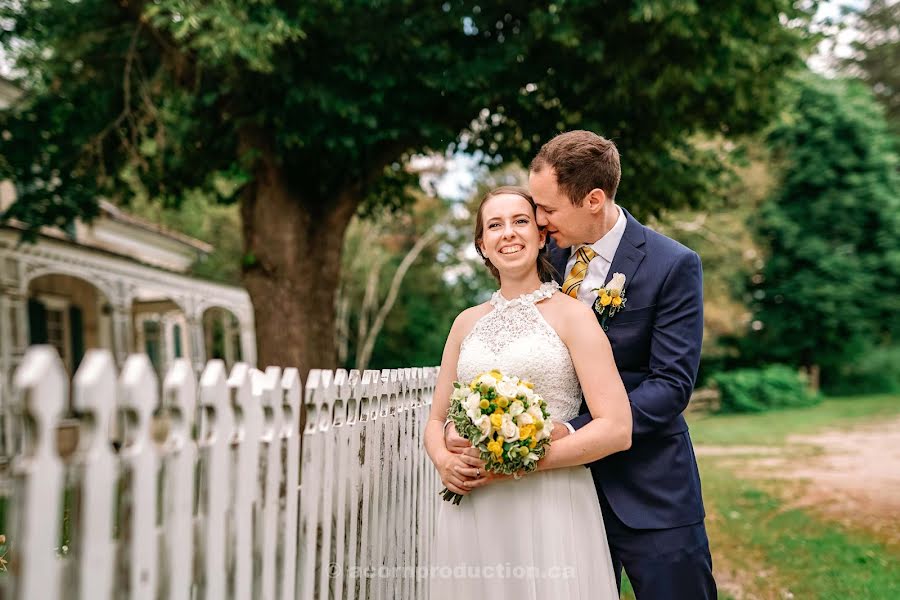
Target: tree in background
[
  {"x": 723, "y": 235},
  {"x": 304, "y": 111},
  {"x": 830, "y": 287},
  {"x": 876, "y": 54}
]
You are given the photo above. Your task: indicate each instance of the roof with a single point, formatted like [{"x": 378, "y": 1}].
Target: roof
[{"x": 117, "y": 214}]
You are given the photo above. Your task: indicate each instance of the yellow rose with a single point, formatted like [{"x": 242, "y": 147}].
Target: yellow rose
[
  {"x": 526, "y": 431},
  {"x": 528, "y": 384},
  {"x": 605, "y": 299},
  {"x": 502, "y": 401},
  {"x": 532, "y": 443},
  {"x": 495, "y": 448},
  {"x": 496, "y": 420},
  {"x": 617, "y": 301},
  {"x": 496, "y": 375},
  {"x": 484, "y": 403}
]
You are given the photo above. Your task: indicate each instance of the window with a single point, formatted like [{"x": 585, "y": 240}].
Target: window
[{"x": 176, "y": 337}]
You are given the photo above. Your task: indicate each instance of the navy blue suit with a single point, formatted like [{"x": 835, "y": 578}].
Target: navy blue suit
[{"x": 650, "y": 494}]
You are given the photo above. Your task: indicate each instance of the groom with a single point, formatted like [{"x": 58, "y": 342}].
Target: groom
[{"x": 650, "y": 494}]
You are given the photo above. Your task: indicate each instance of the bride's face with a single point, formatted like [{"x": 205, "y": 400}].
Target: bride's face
[{"x": 511, "y": 239}]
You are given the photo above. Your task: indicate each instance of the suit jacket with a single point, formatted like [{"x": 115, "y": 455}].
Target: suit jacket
[{"x": 656, "y": 342}]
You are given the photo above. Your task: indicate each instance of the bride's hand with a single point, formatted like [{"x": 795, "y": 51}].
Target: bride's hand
[
  {"x": 455, "y": 443},
  {"x": 456, "y": 469}
]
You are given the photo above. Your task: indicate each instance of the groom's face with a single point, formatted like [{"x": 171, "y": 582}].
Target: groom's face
[{"x": 566, "y": 223}]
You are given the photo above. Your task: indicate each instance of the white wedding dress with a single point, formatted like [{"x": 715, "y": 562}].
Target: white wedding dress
[{"x": 542, "y": 536}]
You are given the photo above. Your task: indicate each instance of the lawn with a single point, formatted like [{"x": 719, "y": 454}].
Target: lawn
[
  {"x": 764, "y": 429},
  {"x": 763, "y": 544}
]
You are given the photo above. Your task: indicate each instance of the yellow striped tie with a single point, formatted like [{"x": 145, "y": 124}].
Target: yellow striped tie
[{"x": 583, "y": 256}]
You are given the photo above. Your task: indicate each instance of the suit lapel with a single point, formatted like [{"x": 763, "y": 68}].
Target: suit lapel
[
  {"x": 558, "y": 258},
  {"x": 629, "y": 254}
]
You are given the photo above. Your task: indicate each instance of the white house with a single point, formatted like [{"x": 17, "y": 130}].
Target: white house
[{"x": 119, "y": 283}]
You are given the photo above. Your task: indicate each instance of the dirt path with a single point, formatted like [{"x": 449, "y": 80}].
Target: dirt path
[{"x": 850, "y": 476}]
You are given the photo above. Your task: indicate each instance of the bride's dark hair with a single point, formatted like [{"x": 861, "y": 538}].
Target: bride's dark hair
[{"x": 545, "y": 269}]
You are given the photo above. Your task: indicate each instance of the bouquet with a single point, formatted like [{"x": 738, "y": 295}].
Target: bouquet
[{"x": 505, "y": 419}]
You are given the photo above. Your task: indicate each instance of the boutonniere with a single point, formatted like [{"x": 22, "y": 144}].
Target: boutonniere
[{"x": 610, "y": 299}]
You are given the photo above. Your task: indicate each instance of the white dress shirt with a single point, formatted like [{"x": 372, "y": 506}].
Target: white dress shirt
[{"x": 598, "y": 268}]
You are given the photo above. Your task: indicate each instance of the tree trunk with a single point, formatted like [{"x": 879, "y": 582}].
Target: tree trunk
[{"x": 292, "y": 264}]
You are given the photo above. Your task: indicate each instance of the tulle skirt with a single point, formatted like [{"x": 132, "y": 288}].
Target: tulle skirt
[{"x": 538, "y": 537}]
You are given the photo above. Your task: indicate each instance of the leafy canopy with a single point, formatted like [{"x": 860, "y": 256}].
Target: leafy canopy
[
  {"x": 153, "y": 98},
  {"x": 829, "y": 289}
]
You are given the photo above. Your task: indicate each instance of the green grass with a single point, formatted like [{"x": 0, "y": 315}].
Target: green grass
[
  {"x": 780, "y": 549},
  {"x": 765, "y": 545},
  {"x": 772, "y": 428}
]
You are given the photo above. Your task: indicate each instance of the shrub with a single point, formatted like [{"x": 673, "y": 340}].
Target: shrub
[
  {"x": 875, "y": 372},
  {"x": 758, "y": 390}
]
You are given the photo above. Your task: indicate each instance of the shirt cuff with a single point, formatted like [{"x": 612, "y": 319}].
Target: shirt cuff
[{"x": 569, "y": 427}]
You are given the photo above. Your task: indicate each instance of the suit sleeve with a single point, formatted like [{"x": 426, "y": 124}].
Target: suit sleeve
[{"x": 674, "y": 351}]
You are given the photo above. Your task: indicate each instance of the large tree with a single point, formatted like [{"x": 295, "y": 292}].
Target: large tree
[
  {"x": 875, "y": 56},
  {"x": 303, "y": 111},
  {"x": 830, "y": 287}
]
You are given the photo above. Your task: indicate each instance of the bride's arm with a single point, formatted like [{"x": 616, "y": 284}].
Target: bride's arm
[
  {"x": 454, "y": 469},
  {"x": 609, "y": 431}
]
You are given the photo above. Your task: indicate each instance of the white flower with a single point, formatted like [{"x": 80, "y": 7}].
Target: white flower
[
  {"x": 524, "y": 419},
  {"x": 487, "y": 379},
  {"x": 526, "y": 391},
  {"x": 459, "y": 393},
  {"x": 507, "y": 388},
  {"x": 516, "y": 408},
  {"x": 484, "y": 424},
  {"x": 530, "y": 457},
  {"x": 473, "y": 413},
  {"x": 508, "y": 430},
  {"x": 616, "y": 284},
  {"x": 535, "y": 411},
  {"x": 473, "y": 401}
]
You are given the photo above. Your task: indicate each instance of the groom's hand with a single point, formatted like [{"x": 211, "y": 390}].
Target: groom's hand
[
  {"x": 455, "y": 442},
  {"x": 559, "y": 432}
]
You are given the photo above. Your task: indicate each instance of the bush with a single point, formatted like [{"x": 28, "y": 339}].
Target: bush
[
  {"x": 758, "y": 390},
  {"x": 875, "y": 372}
]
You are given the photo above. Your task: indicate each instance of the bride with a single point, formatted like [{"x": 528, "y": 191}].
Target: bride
[{"x": 541, "y": 536}]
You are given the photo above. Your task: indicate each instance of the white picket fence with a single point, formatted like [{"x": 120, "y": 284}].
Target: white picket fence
[{"x": 215, "y": 492}]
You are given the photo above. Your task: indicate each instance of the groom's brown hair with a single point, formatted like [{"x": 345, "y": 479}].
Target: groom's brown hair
[{"x": 582, "y": 161}]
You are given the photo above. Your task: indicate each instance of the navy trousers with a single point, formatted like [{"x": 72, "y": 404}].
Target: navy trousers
[{"x": 662, "y": 564}]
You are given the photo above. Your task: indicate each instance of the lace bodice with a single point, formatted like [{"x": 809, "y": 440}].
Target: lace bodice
[{"x": 516, "y": 339}]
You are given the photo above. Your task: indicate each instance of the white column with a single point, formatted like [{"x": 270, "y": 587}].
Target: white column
[
  {"x": 248, "y": 339},
  {"x": 196, "y": 342},
  {"x": 122, "y": 330}
]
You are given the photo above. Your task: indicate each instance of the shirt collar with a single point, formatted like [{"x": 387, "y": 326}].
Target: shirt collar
[{"x": 606, "y": 246}]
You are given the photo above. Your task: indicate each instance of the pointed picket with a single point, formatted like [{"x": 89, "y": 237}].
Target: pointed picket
[
  {"x": 314, "y": 477},
  {"x": 351, "y": 390},
  {"x": 330, "y": 406},
  {"x": 368, "y": 534},
  {"x": 139, "y": 398},
  {"x": 272, "y": 401},
  {"x": 40, "y": 395},
  {"x": 95, "y": 394},
  {"x": 290, "y": 434},
  {"x": 216, "y": 484},
  {"x": 245, "y": 482},
  {"x": 180, "y": 399}
]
